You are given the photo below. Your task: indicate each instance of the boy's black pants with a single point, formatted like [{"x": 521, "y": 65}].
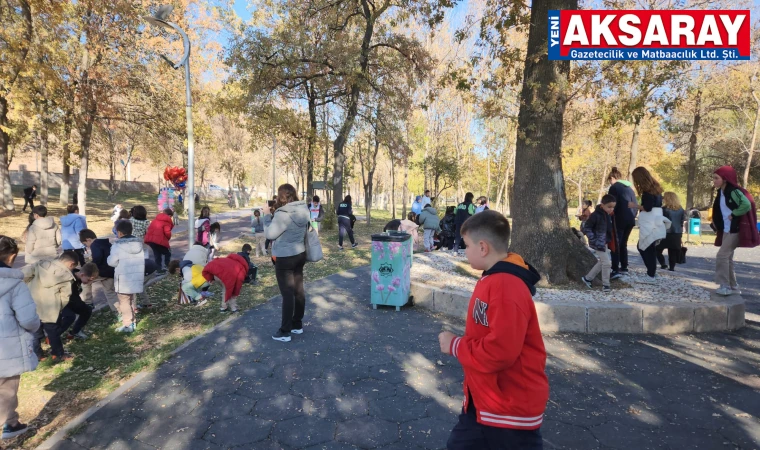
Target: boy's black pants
[
  {"x": 468, "y": 434},
  {"x": 160, "y": 253},
  {"x": 252, "y": 271},
  {"x": 53, "y": 335},
  {"x": 74, "y": 308}
]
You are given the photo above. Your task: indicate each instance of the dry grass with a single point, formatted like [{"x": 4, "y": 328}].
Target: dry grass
[
  {"x": 53, "y": 395},
  {"x": 99, "y": 209}
]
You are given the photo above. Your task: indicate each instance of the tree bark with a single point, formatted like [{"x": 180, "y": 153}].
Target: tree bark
[
  {"x": 312, "y": 140},
  {"x": 745, "y": 179},
  {"x": 353, "y": 103},
  {"x": 393, "y": 186},
  {"x": 692, "y": 164},
  {"x": 542, "y": 232},
  {"x": 634, "y": 161},
  {"x": 66, "y": 172},
  {"x": 5, "y": 175},
  {"x": 44, "y": 177},
  {"x": 84, "y": 162}
]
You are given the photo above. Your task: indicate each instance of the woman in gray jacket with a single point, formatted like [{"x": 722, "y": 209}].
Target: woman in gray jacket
[
  {"x": 287, "y": 233},
  {"x": 18, "y": 320}
]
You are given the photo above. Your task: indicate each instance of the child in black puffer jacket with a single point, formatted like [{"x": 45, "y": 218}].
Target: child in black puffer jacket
[{"x": 598, "y": 229}]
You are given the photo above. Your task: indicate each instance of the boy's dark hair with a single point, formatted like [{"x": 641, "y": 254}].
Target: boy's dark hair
[
  {"x": 270, "y": 203},
  {"x": 123, "y": 215},
  {"x": 215, "y": 227},
  {"x": 139, "y": 213},
  {"x": 608, "y": 199},
  {"x": 426, "y": 205},
  {"x": 588, "y": 202},
  {"x": 256, "y": 211},
  {"x": 315, "y": 199},
  {"x": 87, "y": 234},
  {"x": 489, "y": 226},
  {"x": 124, "y": 227},
  {"x": 427, "y": 190},
  {"x": 8, "y": 247},
  {"x": 247, "y": 248},
  {"x": 72, "y": 209},
  {"x": 69, "y": 256},
  {"x": 90, "y": 269},
  {"x": 34, "y": 185},
  {"x": 169, "y": 212},
  {"x": 40, "y": 210},
  {"x": 450, "y": 209},
  {"x": 468, "y": 197},
  {"x": 173, "y": 266},
  {"x": 411, "y": 216}
]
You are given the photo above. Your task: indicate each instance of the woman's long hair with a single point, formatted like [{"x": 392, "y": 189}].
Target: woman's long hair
[
  {"x": 645, "y": 182},
  {"x": 347, "y": 199},
  {"x": 205, "y": 212},
  {"x": 286, "y": 193},
  {"x": 670, "y": 201}
]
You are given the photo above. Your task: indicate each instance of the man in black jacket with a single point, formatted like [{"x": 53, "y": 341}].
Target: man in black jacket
[
  {"x": 30, "y": 194},
  {"x": 625, "y": 220}
]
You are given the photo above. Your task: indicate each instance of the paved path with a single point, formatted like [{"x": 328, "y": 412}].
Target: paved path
[{"x": 359, "y": 378}]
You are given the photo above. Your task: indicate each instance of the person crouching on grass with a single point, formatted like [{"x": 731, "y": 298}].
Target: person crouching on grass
[
  {"x": 231, "y": 273},
  {"x": 502, "y": 352},
  {"x": 193, "y": 282},
  {"x": 128, "y": 260}
]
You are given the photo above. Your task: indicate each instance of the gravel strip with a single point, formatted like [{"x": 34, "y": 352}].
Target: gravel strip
[{"x": 439, "y": 269}]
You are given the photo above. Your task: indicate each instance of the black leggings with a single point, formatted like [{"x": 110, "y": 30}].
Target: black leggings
[
  {"x": 289, "y": 272},
  {"x": 649, "y": 255},
  {"x": 672, "y": 242},
  {"x": 345, "y": 227},
  {"x": 52, "y": 330},
  {"x": 620, "y": 257},
  {"x": 158, "y": 252}
]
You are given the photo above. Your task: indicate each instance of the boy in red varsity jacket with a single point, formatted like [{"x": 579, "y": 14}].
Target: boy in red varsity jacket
[{"x": 502, "y": 351}]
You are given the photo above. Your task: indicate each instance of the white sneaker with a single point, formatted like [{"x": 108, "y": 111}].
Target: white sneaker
[
  {"x": 646, "y": 279},
  {"x": 297, "y": 331},
  {"x": 723, "y": 291},
  {"x": 126, "y": 329}
]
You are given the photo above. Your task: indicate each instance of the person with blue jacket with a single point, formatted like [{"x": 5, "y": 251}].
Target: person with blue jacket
[
  {"x": 71, "y": 224},
  {"x": 625, "y": 220},
  {"x": 417, "y": 205}
]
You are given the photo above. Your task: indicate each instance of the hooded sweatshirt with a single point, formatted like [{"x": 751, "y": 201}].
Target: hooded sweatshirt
[
  {"x": 42, "y": 240},
  {"x": 742, "y": 207},
  {"x": 71, "y": 225},
  {"x": 202, "y": 230},
  {"x": 623, "y": 192},
  {"x": 429, "y": 219},
  {"x": 417, "y": 205},
  {"x": 160, "y": 231},
  {"x": 18, "y": 320},
  {"x": 198, "y": 254},
  {"x": 128, "y": 261},
  {"x": 50, "y": 284},
  {"x": 502, "y": 352},
  {"x": 288, "y": 229},
  {"x": 231, "y": 270}
]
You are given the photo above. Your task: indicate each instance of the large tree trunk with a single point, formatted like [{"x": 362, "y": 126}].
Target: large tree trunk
[
  {"x": 393, "y": 187},
  {"x": 352, "y": 108},
  {"x": 312, "y": 141},
  {"x": 692, "y": 164},
  {"x": 405, "y": 192},
  {"x": 754, "y": 141},
  {"x": 542, "y": 232},
  {"x": 325, "y": 121},
  {"x": 5, "y": 176},
  {"x": 84, "y": 163},
  {"x": 66, "y": 172},
  {"x": 44, "y": 177},
  {"x": 634, "y": 161}
]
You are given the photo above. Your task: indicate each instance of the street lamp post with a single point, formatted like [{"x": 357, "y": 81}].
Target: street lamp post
[{"x": 159, "y": 20}]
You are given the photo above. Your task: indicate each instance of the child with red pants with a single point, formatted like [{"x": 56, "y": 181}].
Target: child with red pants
[{"x": 231, "y": 272}]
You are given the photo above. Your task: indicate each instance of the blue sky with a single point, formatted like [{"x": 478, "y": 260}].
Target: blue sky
[{"x": 240, "y": 9}]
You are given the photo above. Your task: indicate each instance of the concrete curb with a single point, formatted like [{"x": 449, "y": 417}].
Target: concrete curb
[
  {"x": 60, "y": 435},
  {"x": 720, "y": 314}
]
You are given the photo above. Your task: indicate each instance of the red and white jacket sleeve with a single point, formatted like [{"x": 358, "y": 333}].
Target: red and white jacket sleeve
[{"x": 501, "y": 346}]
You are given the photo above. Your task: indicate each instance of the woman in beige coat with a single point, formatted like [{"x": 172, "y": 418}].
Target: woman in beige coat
[
  {"x": 43, "y": 237},
  {"x": 18, "y": 320}
]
